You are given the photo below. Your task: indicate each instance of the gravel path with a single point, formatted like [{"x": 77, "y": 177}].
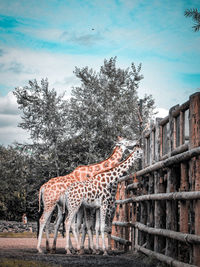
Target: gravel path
[{"x": 25, "y": 248}]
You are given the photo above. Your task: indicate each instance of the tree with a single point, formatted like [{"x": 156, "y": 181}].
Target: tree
[
  {"x": 45, "y": 117},
  {"x": 105, "y": 106},
  {"x": 195, "y": 16},
  {"x": 13, "y": 184}
]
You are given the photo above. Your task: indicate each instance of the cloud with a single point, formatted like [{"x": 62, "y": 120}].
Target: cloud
[
  {"x": 8, "y": 105},
  {"x": 161, "y": 112},
  {"x": 16, "y": 67},
  {"x": 11, "y": 134},
  {"x": 1, "y": 52},
  {"x": 57, "y": 67},
  {"x": 81, "y": 38},
  {"x": 9, "y": 120}
]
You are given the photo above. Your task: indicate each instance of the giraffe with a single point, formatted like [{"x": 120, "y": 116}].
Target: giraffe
[
  {"x": 90, "y": 219},
  {"x": 51, "y": 192},
  {"x": 96, "y": 193}
]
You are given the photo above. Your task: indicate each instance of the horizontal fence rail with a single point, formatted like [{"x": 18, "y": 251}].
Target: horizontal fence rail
[
  {"x": 158, "y": 207},
  {"x": 162, "y": 196}
]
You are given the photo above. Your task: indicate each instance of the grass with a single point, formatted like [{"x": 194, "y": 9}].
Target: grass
[
  {"x": 5, "y": 262},
  {"x": 18, "y": 235},
  {"x": 23, "y": 235}
]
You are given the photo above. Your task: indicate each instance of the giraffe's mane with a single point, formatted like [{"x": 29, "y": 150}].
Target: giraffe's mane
[
  {"x": 100, "y": 162},
  {"x": 110, "y": 170}
]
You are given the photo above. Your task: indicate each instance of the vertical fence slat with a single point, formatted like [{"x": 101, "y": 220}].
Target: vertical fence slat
[
  {"x": 159, "y": 242},
  {"x": 150, "y": 212},
  {"x": 171, "y": 213},
  {"x": 184, "y": 250},
  {"x": 194, "y": 142}
]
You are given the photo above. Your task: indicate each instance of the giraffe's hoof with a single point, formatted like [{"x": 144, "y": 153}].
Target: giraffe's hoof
[
  {"x": 73, "y": 251},
  {"x": 94, "y": 252},
  {"x": 90, "y": 251},
  {"x": 81, "y": 251},
  {"x": 110, "y": 251},
  {"x": 98, "y": 252},
  {"x": 105, "y": 253},
  {"x": 68, "y": 252},
  {"x": 40, "y": 251},
  {"x": 53, "y": 251}
]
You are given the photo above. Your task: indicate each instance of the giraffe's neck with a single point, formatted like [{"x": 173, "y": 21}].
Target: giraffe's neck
[
  {"x": 115, "y": 173},
  {"x": 123, "y": 167},
  {"x": 85, "y": 172}
]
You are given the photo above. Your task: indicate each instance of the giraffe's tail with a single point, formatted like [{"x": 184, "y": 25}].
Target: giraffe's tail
[
  {"x": 64, "y": 213},
  {"x": 63, "y": 223},
  {"x": 40, "y": 211},
  {"x": 39, "y": 199}
]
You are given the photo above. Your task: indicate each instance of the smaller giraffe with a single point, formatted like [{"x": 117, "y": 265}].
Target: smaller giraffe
[
  {"x": 95, "y": 193},
  {"x": 51, "y": 192}
]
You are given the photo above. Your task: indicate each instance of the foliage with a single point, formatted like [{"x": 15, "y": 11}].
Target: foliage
[
  {"x": 195, "y": 14},
  {"x": 13, "y": 184},
  {"x": 44, "y": 116},
  {"x": 105, "y": 106}
]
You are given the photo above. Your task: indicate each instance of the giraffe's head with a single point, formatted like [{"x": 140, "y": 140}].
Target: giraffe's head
[
  {"x": 126, "y": 144},
  {"x": 138, "y": 152}
]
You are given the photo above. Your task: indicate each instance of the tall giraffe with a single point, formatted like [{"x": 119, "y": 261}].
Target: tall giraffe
[
  {"x": 51, "y": 192},
  {"x": 96, "y": 193},
  {"x": 89, "y": 217}
]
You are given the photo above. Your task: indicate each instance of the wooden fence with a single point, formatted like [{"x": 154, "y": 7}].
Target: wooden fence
[{"x": 158, "y": 208}]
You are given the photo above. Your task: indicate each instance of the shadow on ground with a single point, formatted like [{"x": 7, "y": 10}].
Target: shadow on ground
[{"x": 117, "y": 259}]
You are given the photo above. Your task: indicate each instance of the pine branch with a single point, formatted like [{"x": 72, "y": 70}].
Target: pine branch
[{"x": 195, "y": 16}]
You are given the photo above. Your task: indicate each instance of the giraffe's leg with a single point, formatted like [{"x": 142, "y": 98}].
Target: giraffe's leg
[
  {"x": 58, "y": 222},
  {"x": 89, "y": 222},
  {"x": 83, "y": 236},
  {"x": 97, "y": 229},
  {"x": 81, "y": 220},
  {"x": 103, "y": 217},
  {"x": 68, "y": 221},
  {"x": 75, "y": 233},
  {"x": 47, "y": 234},
  {"x": 43, "y": 220},
  {"x": 109, "y": 219},
  {"x": 109, "y": 231}
]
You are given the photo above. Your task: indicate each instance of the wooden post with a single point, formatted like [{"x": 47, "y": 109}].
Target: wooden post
[
  {"x": 159, "y": 211},
  {"x": 114, "y": 244},
  {"x": 157, "y": 140},
  {"x": 127, "y": 218},
  {"x": 134, "y": 217},
  {"x": 143, "y": 210},
  {"x": 158, "y": 181},
  {"x": 172, "y": 181},
  {"x": 195, "y": 142},
  {"x": 171, "y": 213},
  {"x": 122, "y": 212},
  {"x": 150, "y": 212},
  {"x": 184, "y": 250}
]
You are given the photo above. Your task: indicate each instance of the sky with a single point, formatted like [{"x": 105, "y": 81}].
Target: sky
[{"x": 48, "y": 38}]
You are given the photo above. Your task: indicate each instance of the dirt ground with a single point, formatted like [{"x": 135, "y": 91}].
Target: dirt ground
[{"x": 25, "y": 249}]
